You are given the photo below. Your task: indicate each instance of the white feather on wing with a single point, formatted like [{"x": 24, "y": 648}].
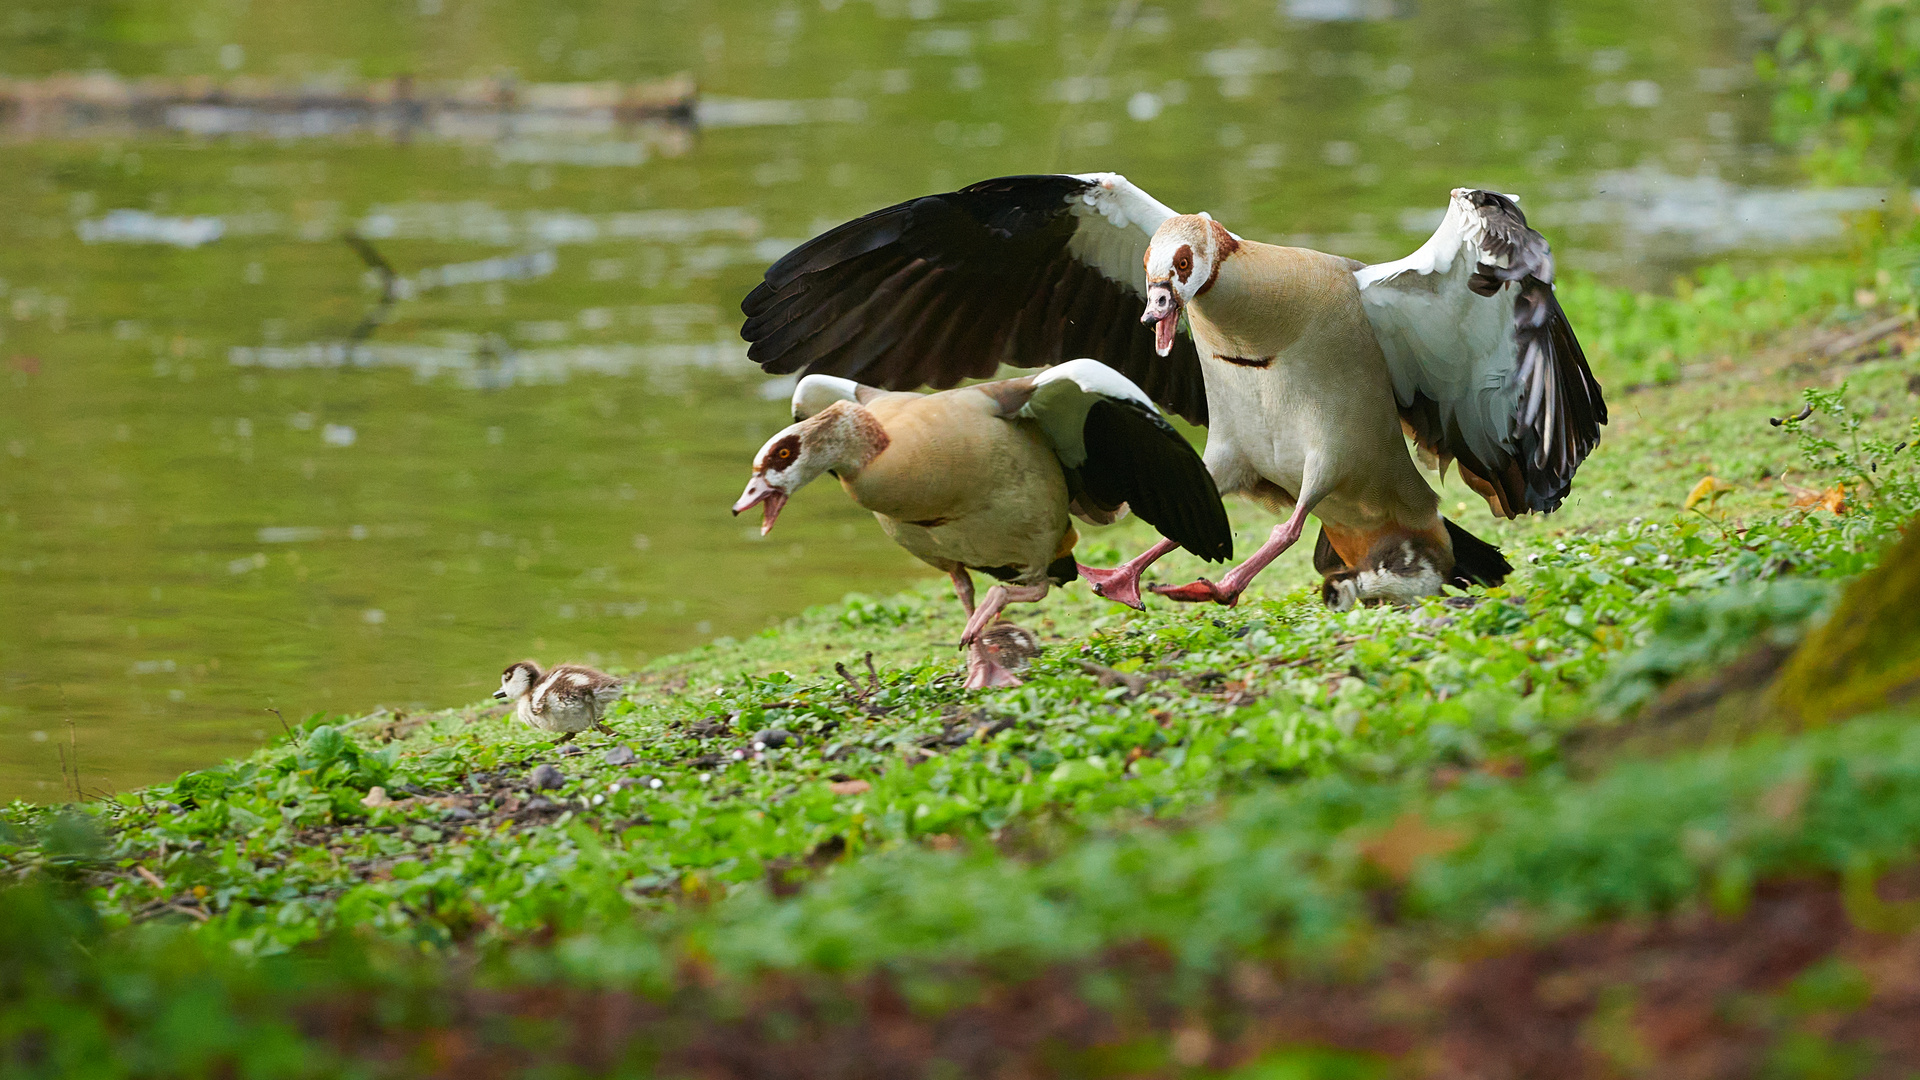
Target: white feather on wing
[{"x": 1484, "y": 366}]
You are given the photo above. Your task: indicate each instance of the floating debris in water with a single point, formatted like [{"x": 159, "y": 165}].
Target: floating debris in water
[
  {"x": 1343, "y": 10},
  {"x": 472, "y": 222},
  {"x": 478, "y": 366},
  {"x": 1706, "y": 215},
  {"x": 105, "y": 105},
  {"x": 744, "y": 112},
  {"x": 482, "y": 223},
  {"x": 557, "y": 152},
  {"x": 141, "y": 227},
  {"x": 527, "y": 267}
]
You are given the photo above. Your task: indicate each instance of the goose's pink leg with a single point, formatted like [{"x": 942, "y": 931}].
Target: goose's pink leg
[
  {"x": 999, "y": 597},
  {"x": 1228, "y": 591},
  {"x": 963, "y": 588},
  {"x": 982, "y": 671},
  {"x": 1122, "y": 583}
]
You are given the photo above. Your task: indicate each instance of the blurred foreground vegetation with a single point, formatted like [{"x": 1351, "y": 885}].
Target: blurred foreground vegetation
[
  {"x": 1321, "y": 795},
  {"x": 1646, "y": 801}
]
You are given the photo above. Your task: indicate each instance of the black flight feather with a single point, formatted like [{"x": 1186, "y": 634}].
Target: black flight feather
[
  {"x": 943, "y": 288},
  {"x": 1136, "y": 457}
]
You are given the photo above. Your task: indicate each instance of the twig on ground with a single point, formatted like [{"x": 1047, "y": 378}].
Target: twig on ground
[
  {"x": 862, "y": 696},
  {"x": 1868, "y": 336},
  {"x": 1110, "y": 677}
]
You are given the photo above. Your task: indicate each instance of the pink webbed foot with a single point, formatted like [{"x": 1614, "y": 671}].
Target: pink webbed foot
[
  {"x": 983, "y": 673},
  {"x": 1199, "y": 592},
  {"x": 1120, "y": 584}
]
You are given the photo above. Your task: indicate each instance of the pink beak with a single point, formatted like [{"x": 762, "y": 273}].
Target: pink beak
[
  {"x": 758, "y": 492},
  {"x": 1163, "y": 309}
]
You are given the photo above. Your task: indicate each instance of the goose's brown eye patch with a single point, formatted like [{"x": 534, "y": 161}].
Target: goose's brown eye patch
[
  {"x": 784, "y": 451},
  {"x": 1183, "y": 262}
]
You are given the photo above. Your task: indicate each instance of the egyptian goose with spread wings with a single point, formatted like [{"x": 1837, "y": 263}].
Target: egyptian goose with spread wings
[
  {"x": 1307, "y": 367},
  {"x": 985, "y": 477}
]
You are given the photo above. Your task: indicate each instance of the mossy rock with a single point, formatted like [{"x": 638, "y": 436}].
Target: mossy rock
[{"x": 1867, "y": 655}]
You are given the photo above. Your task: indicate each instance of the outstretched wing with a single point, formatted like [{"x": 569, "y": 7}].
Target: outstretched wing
[
  {"x": 1020, "y": 270},
  {"x": 1119, "y": 451},
  {"x": 815, "y": 393},
  {"x": 1485, "y": 366}
]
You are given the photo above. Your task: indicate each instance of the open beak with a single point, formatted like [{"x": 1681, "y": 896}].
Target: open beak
[
  {"x": 1163, "y": 310},
  {"x": 760, "y": 492}
]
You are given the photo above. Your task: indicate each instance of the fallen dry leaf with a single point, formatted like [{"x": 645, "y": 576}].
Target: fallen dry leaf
[
  {"x": 1708, "y": 490},
  {"x": 1404, "y": 843},
  {"x": 1833, "y": 499},
  {"x": 849, "y": 787}
]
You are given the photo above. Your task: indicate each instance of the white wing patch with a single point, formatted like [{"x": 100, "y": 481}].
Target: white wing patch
[
  {"x": 1442, "y": 339},
  {"x": 1115, "y": 223},
  {"x": 1436, "y": 256},
  {"x": 1461, "y": 232},
  {"x": 1063, "y": 395},
  {"x": 815, "y": 392}
]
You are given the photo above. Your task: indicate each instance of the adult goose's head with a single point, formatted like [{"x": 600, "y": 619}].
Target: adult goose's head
[
  {"x": 841, "y": 437},
  {"x": 1182, "y": 262}
]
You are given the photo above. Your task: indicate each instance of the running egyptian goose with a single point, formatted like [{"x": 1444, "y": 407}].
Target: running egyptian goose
[
  {"x": 1308, "y": 367},
  {"x": 569, "y": 699},
  {"x": 985, "y": 478}
]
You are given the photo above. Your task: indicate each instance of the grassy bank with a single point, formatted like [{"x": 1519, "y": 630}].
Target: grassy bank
[{"x": 1183, "y": 818}]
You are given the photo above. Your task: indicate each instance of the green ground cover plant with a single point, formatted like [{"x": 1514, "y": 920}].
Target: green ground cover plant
[
  {"x": 1317, "y": 790},
  {"x": 726, "y": 777}
]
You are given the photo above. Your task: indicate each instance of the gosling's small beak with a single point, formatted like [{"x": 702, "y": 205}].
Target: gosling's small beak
[
  {"x": 500, "y": 694},
  {"x": 760, "y": 492}
]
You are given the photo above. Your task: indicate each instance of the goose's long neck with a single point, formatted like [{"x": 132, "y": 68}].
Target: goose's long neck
[
  {"x": 1253, "y": 305},
  {"x": 848, "y": 437}
]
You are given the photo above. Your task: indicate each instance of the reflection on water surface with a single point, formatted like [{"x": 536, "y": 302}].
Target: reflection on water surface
[{"x": 243, "y": 470}]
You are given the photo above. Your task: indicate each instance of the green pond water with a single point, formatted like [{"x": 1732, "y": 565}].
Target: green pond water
[{"x": 211, "y": 507}]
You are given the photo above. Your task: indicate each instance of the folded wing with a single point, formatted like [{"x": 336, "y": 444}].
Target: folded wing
[
  {"x": 1020, "y": 270},
  {"x": 1486, "y": 369},
  {"x": 1119, "y": 451}
]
